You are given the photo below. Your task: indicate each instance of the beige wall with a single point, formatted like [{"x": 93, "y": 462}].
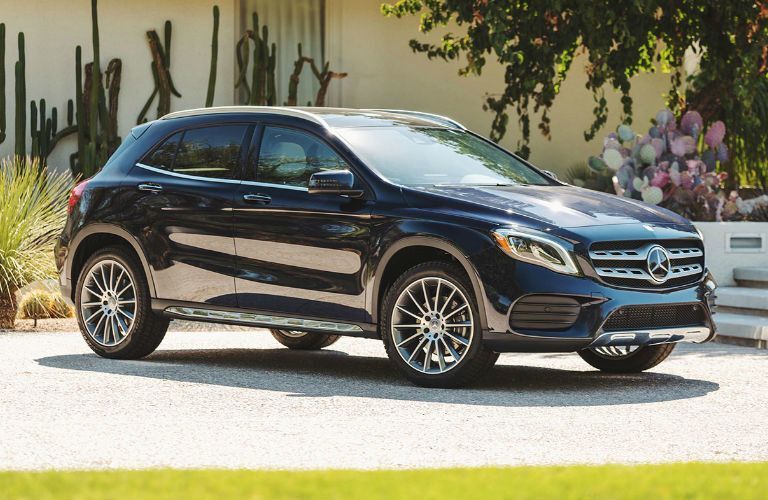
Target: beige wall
[
  {"x": 384, "y": 72},
  {"x": 53, "y": 28}
]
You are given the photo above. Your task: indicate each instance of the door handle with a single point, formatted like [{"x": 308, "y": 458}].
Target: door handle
[
  {"x": 152, "y": 187},
  {"x": 257, "y": 198}
]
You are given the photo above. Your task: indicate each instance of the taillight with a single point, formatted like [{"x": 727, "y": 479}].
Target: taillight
[{"x": 75, "y": 195}]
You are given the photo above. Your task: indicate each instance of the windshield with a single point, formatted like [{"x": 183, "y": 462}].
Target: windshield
[{"x": 420, "y": 156}]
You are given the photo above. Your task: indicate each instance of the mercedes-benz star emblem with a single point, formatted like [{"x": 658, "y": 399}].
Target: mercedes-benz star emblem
[{"x": 658, "y": 263}]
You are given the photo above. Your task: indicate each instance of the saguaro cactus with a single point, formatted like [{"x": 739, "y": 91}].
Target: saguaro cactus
[
  {"x": 262, "y": 89},
  {"x": 214, "y": 58},
  {"x": 96, "y": 111},
  {"x": 161, "y": 73},
  {"x": 21, "y": 101},
  {"x": 2, "y": 83},
  {"x": 324, "y": 77}
]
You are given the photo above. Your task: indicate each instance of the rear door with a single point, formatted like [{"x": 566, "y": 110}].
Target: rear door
[
  {"x": 183, "y": 198},
  {"x": 299, "y": 254}
]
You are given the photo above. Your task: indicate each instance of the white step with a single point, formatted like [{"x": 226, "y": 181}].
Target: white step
[
  {"x": 751, "y": 274},
  {"x": 742, "y": 297},
  {"x": 742, "y": 326}
]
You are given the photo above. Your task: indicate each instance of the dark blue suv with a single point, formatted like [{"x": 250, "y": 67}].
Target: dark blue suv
[{"x": 392, "y": 225}]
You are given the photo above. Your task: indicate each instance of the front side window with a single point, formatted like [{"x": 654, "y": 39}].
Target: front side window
[
  {"x": 289, "y": 157},
  {"x": 202, "y": 152},
  {"x": 424, "y": 156}
]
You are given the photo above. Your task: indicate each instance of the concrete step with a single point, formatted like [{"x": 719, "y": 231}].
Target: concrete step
[
  {"x": 739, "y": 297},
  {"x": 752, "y": 277},
  {"x": 741, "y": 326}
]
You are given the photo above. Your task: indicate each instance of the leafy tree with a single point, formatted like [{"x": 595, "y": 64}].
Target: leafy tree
[{"x": 537, "y": 42}]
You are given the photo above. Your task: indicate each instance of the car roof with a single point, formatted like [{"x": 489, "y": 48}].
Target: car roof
[{"x": 333, "y": 117}]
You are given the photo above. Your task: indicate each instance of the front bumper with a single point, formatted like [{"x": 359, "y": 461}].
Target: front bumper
[{"x": 506, "y": 281}]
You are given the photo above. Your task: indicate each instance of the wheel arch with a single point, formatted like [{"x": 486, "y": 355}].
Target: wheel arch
[
  {"x": 410, "y": 251},
  {"x": 96, "y": 236}
]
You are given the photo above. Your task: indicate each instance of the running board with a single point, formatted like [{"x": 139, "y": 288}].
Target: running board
[{"x": 261, "y": 320}]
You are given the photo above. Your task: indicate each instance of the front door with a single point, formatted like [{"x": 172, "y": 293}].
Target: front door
[
  {"x": 184, "y": 197},
  {"x": 299, "y": 254}
]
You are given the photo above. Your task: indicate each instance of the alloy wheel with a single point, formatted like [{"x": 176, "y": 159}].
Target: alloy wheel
[
  {"x": 432, "y": 325},
  {"x": 615, "y": 352},
  {"x": 108, "y": 303}
]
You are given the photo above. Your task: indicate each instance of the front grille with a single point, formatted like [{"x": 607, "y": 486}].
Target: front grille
[
  {"x": 625, "y": 263},
  {"x": 629, "y": 318},
  {"x": 544, "y": 312}
]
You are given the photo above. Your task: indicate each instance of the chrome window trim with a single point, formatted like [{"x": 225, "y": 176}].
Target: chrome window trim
[
  {"x": 187, "y": 176},
  {"x": 261, "y": 319}
]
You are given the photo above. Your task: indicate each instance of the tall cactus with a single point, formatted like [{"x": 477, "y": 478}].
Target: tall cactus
[
  {"x": 21, "y": 101},
  {"x": 214, "y": 59},
  {"x": 44, "y": 132},
  {"x": 161, "y": 73},
  {"x": 2, "y": 83},
  {"x": 262, "y": 88},
  {"x": 96, "y": 110}
]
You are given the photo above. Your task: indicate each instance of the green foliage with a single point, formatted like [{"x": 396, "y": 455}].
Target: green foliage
[
  {"x": 663, "y": 481},
  {"x": 2, "y": 83},
  {"x": 538, "y": 41},
  {"x": 31, "y": 215}
]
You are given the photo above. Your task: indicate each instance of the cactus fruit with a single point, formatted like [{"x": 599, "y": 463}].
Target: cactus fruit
[{"x": 214, "y": 59}]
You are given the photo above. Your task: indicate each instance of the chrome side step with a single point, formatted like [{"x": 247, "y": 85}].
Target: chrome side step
[
  {"x": 696, "y": 334},
  {"x": 261, "y": 320}
]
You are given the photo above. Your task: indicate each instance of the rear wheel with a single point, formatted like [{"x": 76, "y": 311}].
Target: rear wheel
[
  {"x": 626, "y": 359},
  {"x": 113, "y": 305},
  {"x": 293, "y": 339},
  {"x": 430, "y": 327}
]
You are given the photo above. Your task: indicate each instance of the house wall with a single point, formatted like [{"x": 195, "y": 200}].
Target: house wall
[
  {"x": 385, "y": 73},
  {"x": 54, "y": 28}
]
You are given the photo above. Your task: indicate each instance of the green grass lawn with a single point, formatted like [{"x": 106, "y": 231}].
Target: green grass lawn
[{"x": 694, "y": 480}]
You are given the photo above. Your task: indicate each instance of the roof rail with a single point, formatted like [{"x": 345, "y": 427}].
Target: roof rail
[
  {"x": 443, "y": 120},
  {"x": 276, "y": 110}
]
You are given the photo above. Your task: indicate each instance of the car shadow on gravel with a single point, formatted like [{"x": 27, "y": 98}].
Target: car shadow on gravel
[{"x": 334, "y": 373}]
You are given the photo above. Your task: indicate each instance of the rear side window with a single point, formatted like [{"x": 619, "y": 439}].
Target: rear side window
[
  {"x": 289, "y": 157},
  {"x": 203, "y": 152}
]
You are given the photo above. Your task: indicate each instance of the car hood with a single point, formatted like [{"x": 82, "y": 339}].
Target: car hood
[{"x": 562, "y": 206}]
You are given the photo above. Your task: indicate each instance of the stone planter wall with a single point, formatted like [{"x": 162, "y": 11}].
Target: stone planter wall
[{"x": 734, "y": 244}]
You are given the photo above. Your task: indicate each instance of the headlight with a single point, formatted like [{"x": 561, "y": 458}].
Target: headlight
[{"x": 539, "y": 250}]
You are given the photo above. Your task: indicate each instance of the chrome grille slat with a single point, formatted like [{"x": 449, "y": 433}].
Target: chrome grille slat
[
  {"x": 625, "y": 263},
  {"x": 641, "y": 253},
  {"x": 640, "y": 274}
]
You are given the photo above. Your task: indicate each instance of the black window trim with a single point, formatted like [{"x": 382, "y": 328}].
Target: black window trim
[
  {"x": 239, "y": 171},
  {"x": 250, "y": 178}
]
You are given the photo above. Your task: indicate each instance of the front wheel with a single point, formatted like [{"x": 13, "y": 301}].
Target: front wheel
[
  {"x": 293, "y": 339},
  {"x": 430, "y": 327},
  {"x": 626, "y": 359}
]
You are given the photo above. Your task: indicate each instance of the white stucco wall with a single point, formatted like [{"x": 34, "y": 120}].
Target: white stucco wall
[
  {"x": 384, "y": 72},
  {"x": 721, "y": 260},
  {"x": 53, "y": 28}
]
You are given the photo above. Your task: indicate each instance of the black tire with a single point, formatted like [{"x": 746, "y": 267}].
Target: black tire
[
  {"x": 304, "y": 341},
  {"x": 641, "y": 359},
  {"x": 475, "y": 361},
  {"x": 148, "y": 328}
]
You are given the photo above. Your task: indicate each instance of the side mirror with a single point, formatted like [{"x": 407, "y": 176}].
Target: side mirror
[{"x": 339, "y": 182}]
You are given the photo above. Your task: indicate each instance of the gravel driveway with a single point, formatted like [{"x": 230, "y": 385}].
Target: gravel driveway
[{"x": 238, "y": 399}]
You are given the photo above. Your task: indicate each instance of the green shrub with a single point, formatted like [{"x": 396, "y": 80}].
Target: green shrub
[{"x": 59, "y": 308}]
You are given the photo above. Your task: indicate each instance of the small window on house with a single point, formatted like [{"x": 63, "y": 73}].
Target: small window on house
[
  {"x": 163, "y": 156},
  {"x": 210, "y": 151},
  {"x": 289, "y": 157}
]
